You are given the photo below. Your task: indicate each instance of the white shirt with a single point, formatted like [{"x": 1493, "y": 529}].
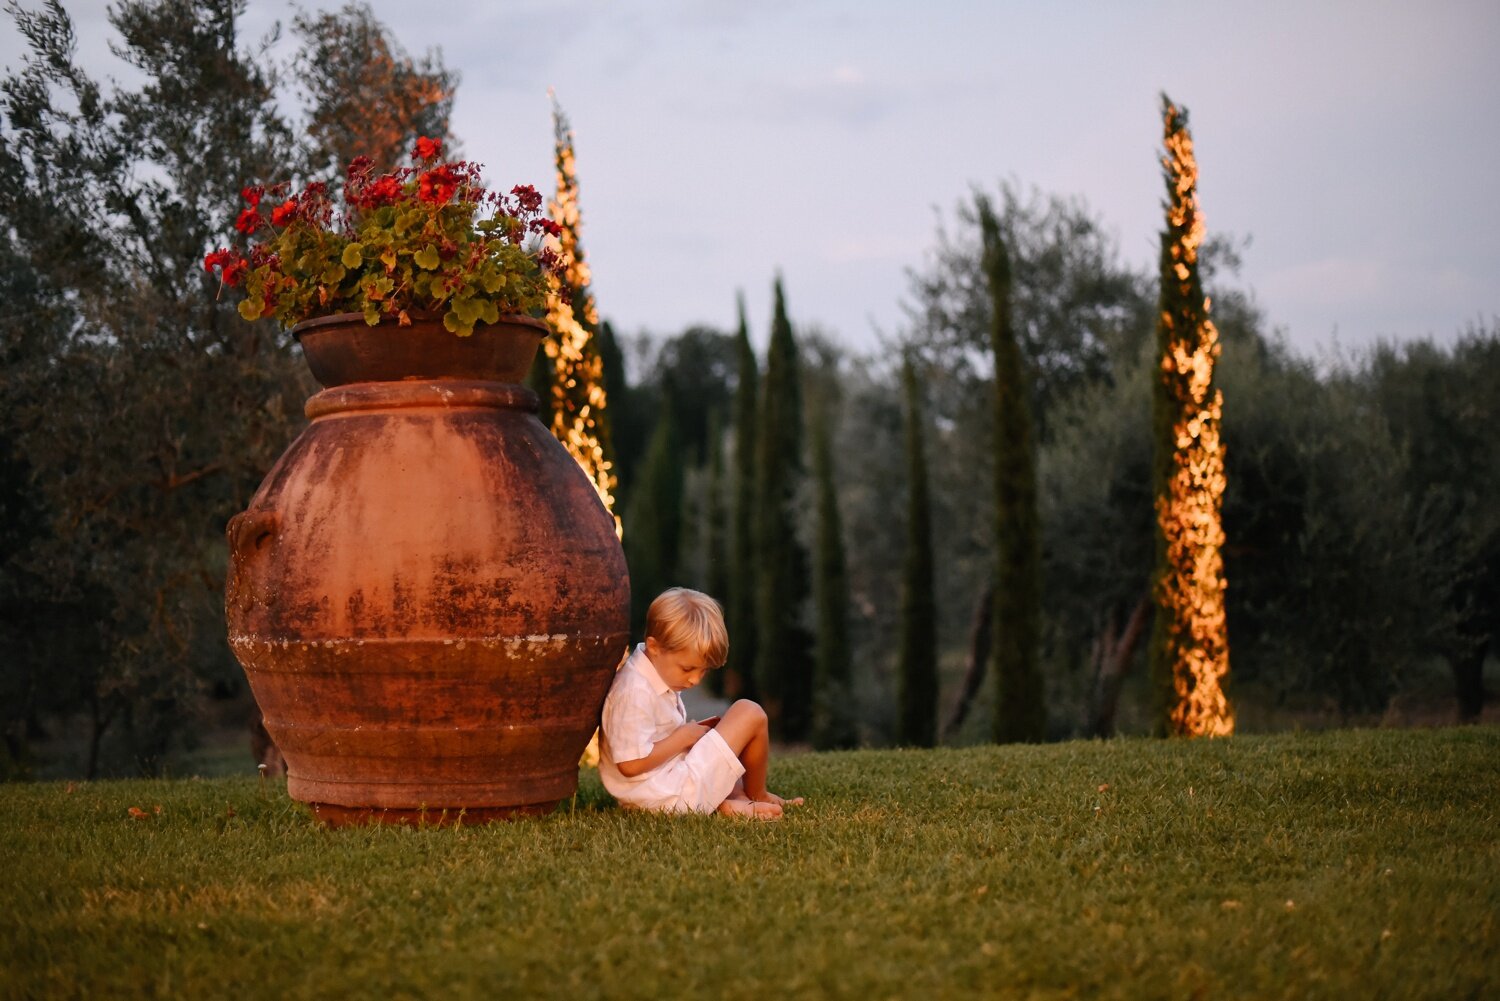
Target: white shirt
[{"x": 641, "y": 710}]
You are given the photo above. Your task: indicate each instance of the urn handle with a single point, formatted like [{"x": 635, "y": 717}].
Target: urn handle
[{"x": 248, "y": 531}]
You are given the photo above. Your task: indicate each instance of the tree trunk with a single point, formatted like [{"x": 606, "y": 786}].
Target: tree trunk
[
  {"x": 980, "y": 631},
  {"x": 1468, "y": 683},
  {"x": 1113, "y": 652},
  {"x": 100, "y": 723}
]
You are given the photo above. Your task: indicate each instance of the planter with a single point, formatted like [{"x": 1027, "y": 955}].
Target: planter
[{"x": 426, "y": 594}]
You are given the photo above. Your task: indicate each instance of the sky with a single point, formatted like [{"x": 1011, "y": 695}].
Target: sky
[{"x": 1353, "y": 144}]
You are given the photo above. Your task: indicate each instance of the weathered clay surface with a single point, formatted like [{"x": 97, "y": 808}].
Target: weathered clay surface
[{"x": 428, "y": 598}]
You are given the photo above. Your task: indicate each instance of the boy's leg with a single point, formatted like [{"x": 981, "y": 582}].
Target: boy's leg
[{"x": 746, "y": 731}]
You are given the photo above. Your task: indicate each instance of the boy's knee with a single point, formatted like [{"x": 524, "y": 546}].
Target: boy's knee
[{"x": 748, "y": 708}]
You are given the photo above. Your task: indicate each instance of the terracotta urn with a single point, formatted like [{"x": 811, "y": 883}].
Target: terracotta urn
[{"x": 426, "y": 594}]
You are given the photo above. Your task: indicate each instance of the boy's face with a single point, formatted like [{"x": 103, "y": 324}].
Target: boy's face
[{"x": 680, "y": 669}]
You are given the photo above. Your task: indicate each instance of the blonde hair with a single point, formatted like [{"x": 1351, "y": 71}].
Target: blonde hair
[{"x": 683, "y": 619}]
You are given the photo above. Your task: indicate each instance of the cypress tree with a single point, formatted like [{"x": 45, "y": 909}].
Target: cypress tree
[
  {"x": 628, "y": 430},
  {"x": 571, "y": 378},
  {"x": 1189, "y": 651},
  {"x": 716, "y": 531},
  {"x": 716, "y": 545},
  {"x": 1020, "y": 709},
  {"x": 833, "y": 716},
  {"x": 783, "y": 665},
  {"x": 655, "y": 515},
  {"x": 917, "y": 649},
  {"x": 740, "y": 679}
]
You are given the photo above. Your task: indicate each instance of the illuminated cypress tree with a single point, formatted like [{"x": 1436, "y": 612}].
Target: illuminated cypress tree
[
  {"x": 1189, "y": 640},
  {"x": 741, "y": 604},
  {"x": 1020, "y": 707},
  {"x": 569, "y": 374},
  {"x": 783, "y": 662},
  {"x": 917, "y": 644}
]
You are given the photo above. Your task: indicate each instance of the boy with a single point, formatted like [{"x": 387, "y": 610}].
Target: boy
[{"x": 650, "y": 756}]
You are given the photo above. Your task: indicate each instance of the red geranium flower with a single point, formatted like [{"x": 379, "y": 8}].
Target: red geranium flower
[
  {"x": 438, "y": 184},
  {"x": 383, "y": 191},
  {"x": 253, "y": 194},
  {"x": 427, "y": 149},
  {"x": 248, "y": 221},
  {"x": 228, "y": 260},
  {"x": 527, "y": 197},
  {"x": 281, "y": 213}
]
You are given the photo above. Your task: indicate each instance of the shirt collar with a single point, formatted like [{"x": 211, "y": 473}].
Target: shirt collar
[{"x": 647, "y": 670}]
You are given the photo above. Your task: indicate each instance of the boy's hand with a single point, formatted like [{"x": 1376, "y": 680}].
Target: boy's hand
[{"x": 690, "y": 733}]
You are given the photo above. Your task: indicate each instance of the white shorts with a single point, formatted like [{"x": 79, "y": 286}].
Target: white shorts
[{"x": 695, "y": 782}]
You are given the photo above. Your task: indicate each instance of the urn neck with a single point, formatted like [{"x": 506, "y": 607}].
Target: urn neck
[{"x": 441, "y": 394}]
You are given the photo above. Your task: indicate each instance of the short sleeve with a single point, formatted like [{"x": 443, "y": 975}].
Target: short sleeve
[{"x": 627, "y": 723}]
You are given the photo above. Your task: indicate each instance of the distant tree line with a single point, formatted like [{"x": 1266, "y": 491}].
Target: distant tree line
[
  {"x": 137, "y": 410},
  {"x": 866, "y": 518}
]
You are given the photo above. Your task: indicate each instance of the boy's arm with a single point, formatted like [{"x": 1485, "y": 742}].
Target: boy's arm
[{"x": 664, "y": 750}]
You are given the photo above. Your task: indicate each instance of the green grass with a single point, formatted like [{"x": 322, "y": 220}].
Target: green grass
[{"x": 1339, "y": 864}]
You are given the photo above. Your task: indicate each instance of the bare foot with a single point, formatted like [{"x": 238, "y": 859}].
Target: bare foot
[
  {"x": 750, "y": 809},
  {"x": 772, "y": 798}
]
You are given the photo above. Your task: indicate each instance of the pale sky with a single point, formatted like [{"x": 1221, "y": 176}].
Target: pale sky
[{"x": 1357, "y": 144}]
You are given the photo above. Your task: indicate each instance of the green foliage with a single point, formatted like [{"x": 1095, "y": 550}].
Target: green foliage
[
  {"x": 379, "y": 254},
  {"x": 916, "y": 657},
  {"x": 716, "y": 517},
  {"x": 716, "y": 571},
  {"x": 1443, "y": 407},
  {"x": 366, "y": 96},
  {"x": 783, "y": 664},
  {"x": 691, "y": 375},
  {"x": 1080, "y": 316},
  {"x": 740, "y": 606},
  {"x": 1020, "y": 712},
  {"x": 701, "y": 363},
  {"x": 1346, "y": 864},
  {"x": 1076, "y": 309},
  {"x": 140, "y": 409},
  {"x": 653, "y": 521},
  {"x": 834, "y": 724},
  {"x": 617, "y": 391}
]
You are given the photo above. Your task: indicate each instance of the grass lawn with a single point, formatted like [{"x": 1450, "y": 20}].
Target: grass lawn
[{"x": 1343, "y": 864}]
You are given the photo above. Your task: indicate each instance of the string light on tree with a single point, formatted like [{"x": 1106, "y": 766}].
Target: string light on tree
[
  {"x": 576, "y": 376},
  {"x": 573, "y": 370},
  {"x": 1190, "y": 641}
]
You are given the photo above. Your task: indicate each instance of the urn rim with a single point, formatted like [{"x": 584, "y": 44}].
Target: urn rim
[{"x": 342, "y": 349}]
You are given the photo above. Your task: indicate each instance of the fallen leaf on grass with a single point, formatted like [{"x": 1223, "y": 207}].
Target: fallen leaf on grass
[
  {"x": 1103, "y": 786},
  {"x": 136, "y": 813},
  {"x": 1231, "y": 905},
  {"x": 1291, "y": 905}
]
